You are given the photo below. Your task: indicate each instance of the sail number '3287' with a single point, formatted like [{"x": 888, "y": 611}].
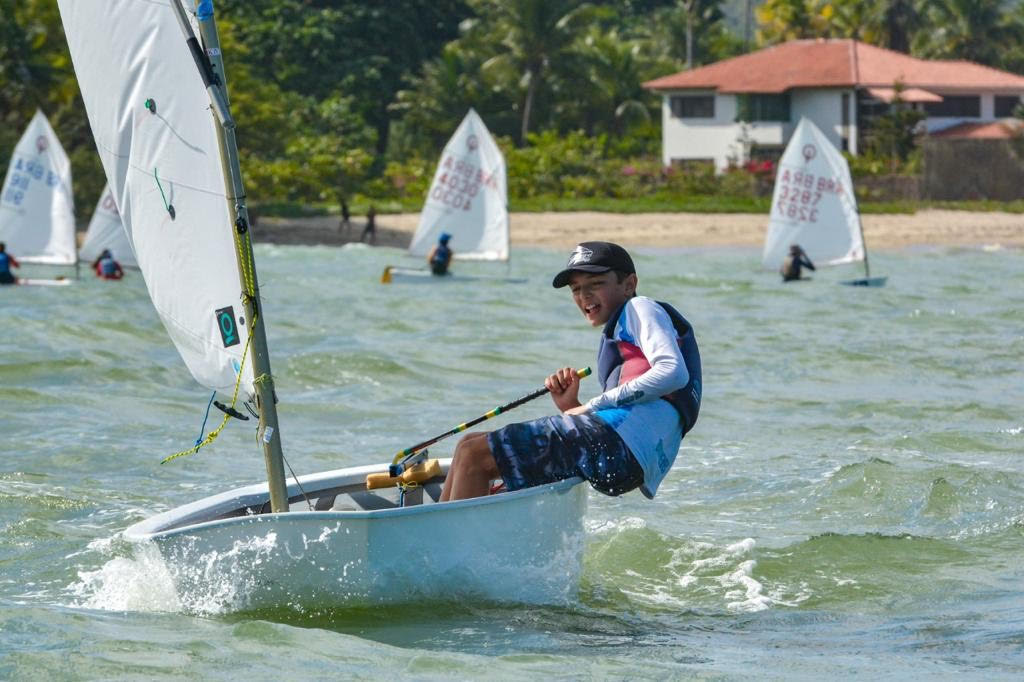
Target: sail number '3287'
[{"x": 800, "y": 192}]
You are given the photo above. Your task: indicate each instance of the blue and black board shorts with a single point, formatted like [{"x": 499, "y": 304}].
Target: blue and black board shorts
[{"x": 555, "y": 448}]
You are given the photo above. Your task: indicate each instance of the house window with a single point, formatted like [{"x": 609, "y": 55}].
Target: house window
[
  {"x": 1006, "y": 105},
  {"x": 693, "y": 106},
  {"x": 762, "y": 107},
  {"x": 955, "y": 106}
]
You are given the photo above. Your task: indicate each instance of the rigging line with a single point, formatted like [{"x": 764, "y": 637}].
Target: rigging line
[
  {"x": 296, "y": 478},
  {"x": 205, "y": 417},
  {"x": 248, "y": 266},
  {"x": 216, "y": 432},
  {"x": 169, "y": 207}
]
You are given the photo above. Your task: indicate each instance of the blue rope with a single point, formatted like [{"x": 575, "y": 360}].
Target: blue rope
[{"x": 207, "y": 416}]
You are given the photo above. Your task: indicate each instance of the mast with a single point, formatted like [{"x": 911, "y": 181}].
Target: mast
[
  {"x": 211, "y": 67},
  {"x": 864, "y": 245}
]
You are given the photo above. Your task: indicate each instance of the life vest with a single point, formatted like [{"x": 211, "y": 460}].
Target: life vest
[
  {"x": 5, "y": 263},
  {"x": 620, "y": 361},
  {"x": 107, "y": 269},
  {"x": 439, "y": 263}
]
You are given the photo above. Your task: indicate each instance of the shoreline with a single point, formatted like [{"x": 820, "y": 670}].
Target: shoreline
[{"x": 929, "y": 227}]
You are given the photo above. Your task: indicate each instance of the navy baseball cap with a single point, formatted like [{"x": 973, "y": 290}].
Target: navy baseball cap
[{"x": 595, "y": 257}]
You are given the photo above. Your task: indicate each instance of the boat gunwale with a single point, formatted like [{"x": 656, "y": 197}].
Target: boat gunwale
[{"x": 149, "y": 529}]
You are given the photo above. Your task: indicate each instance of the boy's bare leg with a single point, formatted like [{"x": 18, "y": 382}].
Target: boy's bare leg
[{"x": 472, "y": 469}]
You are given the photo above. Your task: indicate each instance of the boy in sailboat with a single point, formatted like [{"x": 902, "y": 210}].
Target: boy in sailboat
[
  {"x": 794, "y": 262},
  {"x": 628, "y": 436},
  {"x": 7, "y": 261},
  {"x": 440, "y": 257}
]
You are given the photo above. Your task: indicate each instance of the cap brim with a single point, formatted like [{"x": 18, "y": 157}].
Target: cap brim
[{"x": 562, "y": 278}]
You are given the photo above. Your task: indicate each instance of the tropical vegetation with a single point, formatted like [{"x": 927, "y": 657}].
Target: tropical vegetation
[{"x": 352, "y": 99}]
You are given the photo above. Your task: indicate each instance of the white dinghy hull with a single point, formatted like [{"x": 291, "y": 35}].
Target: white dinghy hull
[
  {"x": 34, "y": 282},
  {"x": 399, "y": 275},
  {"x": 866, "y": 282},
  {"x": 524, "y": 546}
]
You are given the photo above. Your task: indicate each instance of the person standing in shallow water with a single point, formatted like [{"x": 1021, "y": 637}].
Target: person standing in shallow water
[
  {"x": 370, "y": 231},
  {"x": 346, "y": 223},
  {"x": 792, "y": 266},
  {"x": 627, "y": 437},
  {"x": 7, "y": 261}
]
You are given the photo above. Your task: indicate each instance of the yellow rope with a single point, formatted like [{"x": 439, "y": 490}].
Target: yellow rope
[
  {"x": 212, "y": 436},
  {"x": 244, "y": 244}
]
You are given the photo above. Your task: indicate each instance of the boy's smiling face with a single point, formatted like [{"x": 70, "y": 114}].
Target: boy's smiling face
[{"x": 599, "y": 294}]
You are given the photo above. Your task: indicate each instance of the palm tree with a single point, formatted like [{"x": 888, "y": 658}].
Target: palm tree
[
  {"x": 901, "y": 20},
  {"x": 533, "y": 35},
  {"x": 782, "y": 20},
  {"x": 611, "y": 96},
  {"x": 694, "y": 32},
  {"x": 976, "y": 30}
]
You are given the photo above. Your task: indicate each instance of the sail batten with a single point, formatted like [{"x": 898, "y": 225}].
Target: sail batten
[
  {"x": 37, "y": 217},
  {"x": 467, "y": 197},
  {"x": 813, "y": 203},
  {"x": 150, "y": 115}
]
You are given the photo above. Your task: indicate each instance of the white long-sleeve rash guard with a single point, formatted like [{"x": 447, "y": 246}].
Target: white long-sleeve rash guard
[{"x": 645, "y": 324}]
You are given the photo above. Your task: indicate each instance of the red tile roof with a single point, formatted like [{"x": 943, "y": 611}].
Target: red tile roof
[
  {"x": 994, "y": 130},
  {"x": 833, "y": 64}
]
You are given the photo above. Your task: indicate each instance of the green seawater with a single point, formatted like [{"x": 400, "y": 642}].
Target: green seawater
[{"x": 851, "y": 501}]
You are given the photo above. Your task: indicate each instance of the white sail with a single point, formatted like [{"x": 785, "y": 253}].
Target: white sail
[
  {"x": 37, "y": 211},
  {"x": 813, "y": 204},
  {"x": 150, "y": 116},
  {"x": 107, "y": 233},
  {"x": 467, "y": 197}
]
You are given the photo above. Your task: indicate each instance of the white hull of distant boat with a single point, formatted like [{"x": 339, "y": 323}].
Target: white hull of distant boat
[
  {"x": 35, "y": 282},
  {"x": 398, "y": 275},
  {"x": 361, "y": 548},
  {"x": 866, "y": 282}
]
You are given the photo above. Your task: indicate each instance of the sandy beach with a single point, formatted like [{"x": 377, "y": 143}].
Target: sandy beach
[{"x": 562, "y": 230}]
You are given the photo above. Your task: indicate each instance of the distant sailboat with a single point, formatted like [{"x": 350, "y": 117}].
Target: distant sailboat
[
  {"x": 814, "y": 206},
  {"x": 468, "y": 199},
  {"x": 167, "y": 143},
  {"x": 107, "y": 233},
  {"x": 37, "y": 215}
]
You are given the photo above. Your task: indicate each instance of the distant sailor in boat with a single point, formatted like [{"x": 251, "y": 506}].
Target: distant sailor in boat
[
  {"x": 791, "y": 267},
  {"x": 106, "y": 267},
  {"x": 628, "y": 436},
  {"x": 440, "y": 257},
  {"x": 7, "y": 261}
]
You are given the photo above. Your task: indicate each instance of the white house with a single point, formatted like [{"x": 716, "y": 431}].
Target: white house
[{"x": 748, "y": 106}]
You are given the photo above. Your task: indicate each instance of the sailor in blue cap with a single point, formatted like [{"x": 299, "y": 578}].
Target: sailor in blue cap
[{"x": 440, "y": 256}]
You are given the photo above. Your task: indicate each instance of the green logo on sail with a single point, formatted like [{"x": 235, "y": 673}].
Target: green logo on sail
[{"x": 226, "y": 324}]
